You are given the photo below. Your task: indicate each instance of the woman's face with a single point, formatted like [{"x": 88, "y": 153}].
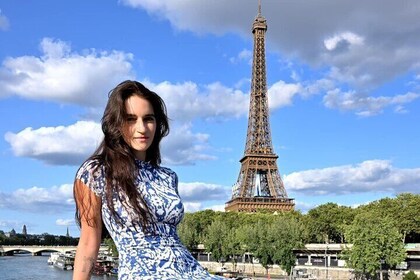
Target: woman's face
[{"x": 140, "y": 125}]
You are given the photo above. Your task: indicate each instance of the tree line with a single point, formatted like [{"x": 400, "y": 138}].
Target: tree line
[
  {"x": 377, "y": 231},
  {"x": 44, "y": 239}
]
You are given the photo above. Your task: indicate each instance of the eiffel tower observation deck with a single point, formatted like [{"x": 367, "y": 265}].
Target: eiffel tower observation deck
[{"x": 259, "y": 185}]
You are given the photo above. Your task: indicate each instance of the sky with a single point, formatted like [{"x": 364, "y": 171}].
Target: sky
[{"x": 343, "y": 81}]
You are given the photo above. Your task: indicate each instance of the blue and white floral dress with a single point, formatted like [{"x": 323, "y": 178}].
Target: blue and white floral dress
[{"x": 147, "y": 256}]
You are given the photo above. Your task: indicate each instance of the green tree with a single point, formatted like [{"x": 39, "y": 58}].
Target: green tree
[
  {"x": 327, "y": 222},
  {"x": 49, "y": 239},
  {"x": 188, "y": 233},
  {"x": 286, "y": 235},
  {"x": 260, "y": 243},
  {"x": 63, "y": 240},
  {"x": 407, "y": 209},
  {"x": 111, "y": 245},
  {"x": 200, "y": 221},
  {"x": 374, "y": 240},
  {"x": 411, "y": 276},
  {"x": 403, "y": 210},
  {"x": 215, "y": 241},
  {"x": 234, "y": 246}
]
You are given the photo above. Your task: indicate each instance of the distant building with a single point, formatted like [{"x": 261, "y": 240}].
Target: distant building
[
  {"x": 11, "y": 233},
  {"x": 67, "y": 234},
  {"x": 24, "y": 232}
]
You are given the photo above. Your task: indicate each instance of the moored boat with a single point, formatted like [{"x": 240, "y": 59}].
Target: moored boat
[
  {"x": 53, "y": 257},
  {"x": 102, "y": 266},
  {"x": 64, "y": 262}
]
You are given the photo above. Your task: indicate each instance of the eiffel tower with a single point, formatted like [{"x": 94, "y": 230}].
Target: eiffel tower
[{"x": 259, "y": 185}]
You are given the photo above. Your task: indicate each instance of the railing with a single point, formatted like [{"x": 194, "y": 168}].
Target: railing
[{"x": 262, "y": 199}]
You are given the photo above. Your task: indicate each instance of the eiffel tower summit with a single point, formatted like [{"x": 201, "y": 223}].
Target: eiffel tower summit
[{"x": 259, "y": 185}]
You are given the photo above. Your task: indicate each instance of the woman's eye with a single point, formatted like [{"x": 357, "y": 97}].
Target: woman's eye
[
  {"x": 149, "y": 119},
  {"x": 131, "y": 119}
]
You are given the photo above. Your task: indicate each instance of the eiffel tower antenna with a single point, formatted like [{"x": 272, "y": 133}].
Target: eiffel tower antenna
[{"x": 259, "y": 184}]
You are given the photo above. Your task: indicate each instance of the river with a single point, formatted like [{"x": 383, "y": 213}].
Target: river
[{"x": 28, "y": 267}]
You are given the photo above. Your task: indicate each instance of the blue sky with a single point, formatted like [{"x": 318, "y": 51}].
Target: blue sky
[{"x": 343, "y": 83}]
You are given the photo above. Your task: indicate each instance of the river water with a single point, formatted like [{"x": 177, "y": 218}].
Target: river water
[{"x": 28, "y": 267}]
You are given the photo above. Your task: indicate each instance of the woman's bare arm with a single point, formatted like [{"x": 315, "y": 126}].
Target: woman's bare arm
[{"x": 90, "y": 233}]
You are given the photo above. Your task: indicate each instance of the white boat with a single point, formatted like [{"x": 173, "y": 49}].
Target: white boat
[
  {"x": 53, "y": 258},
  {"x": 64, "y": 262}
]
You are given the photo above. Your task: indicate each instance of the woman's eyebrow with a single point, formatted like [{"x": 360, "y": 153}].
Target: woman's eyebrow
[{"x": 147, "y": 115}]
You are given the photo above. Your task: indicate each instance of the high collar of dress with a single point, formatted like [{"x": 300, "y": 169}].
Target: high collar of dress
[{"x": 142, "y": 164}]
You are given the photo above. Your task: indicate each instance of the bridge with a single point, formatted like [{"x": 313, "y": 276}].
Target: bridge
[{"x": 9, "y": 250}]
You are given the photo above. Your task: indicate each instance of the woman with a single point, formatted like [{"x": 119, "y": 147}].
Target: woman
[{"x": 123, "y": 186}]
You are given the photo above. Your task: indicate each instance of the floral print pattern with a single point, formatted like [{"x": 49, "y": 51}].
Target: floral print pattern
[{"x": 160, "y": 255}]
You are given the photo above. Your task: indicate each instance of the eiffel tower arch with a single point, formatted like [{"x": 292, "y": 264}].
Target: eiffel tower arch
[{"x": 259, "y": 185}]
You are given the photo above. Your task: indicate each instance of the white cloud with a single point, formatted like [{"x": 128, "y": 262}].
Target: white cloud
[
  {"x": 64, "y": 76},
  {"x": 244, "y": 55},
  {"x": 368, "y": 176},
  {"x": 400, "y": 109},
  {"x": 295, "y": 76},
  {"x": 36, "y": 199},
  {"x": 281, "y": 94},
  {"x": 186, "y": 101},
  {"x": 183, "y": 147},
  {"x": 192, "y": 206},
  {"x": 208, "y": 16},
  {"x": 365, "y": 105},
  {"x": 4, "y": 22},
  {"x": 343, "y": 38},
  {"x": 304, "y": 207},
  {"x": 198, "y": 206},
  {"x": 55, "y": 49},
  {"x": 317, "y": 87},
  {"x": 57, "y": 145},
  {"x": 65, "y": 222},
  {"x": 243, "y": 82},
  {"x": 199, "y": 192},
  {"x": 217, "y": 207}
]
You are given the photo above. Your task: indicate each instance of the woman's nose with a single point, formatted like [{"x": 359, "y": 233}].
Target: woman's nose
[{"x": 141, "y": 126}]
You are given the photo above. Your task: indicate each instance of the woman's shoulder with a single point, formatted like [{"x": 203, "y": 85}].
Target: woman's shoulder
[
  {"x": 170, "y": 177},
  {"x": 165, "y": 173},
  {"x": 92, "y": 168},
  {"x": 89, "y": 165},
  {"x": 92, "y": 174},
  {"x": 167, "y": 170}
]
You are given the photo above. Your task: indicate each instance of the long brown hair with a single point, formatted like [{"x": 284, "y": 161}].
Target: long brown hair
[{"x": 116, "y": 156}]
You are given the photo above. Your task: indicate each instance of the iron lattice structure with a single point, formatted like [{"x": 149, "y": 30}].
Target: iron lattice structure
[{"x": 259, "y": 184}]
